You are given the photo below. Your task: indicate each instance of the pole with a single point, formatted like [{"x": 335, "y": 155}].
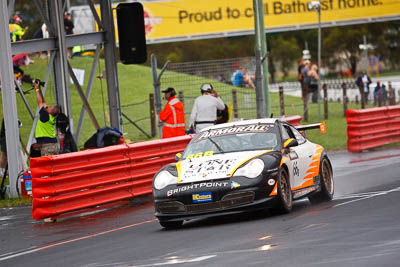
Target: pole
[
  {"x": 365, "y": 53},
  {"x": 264, "y": 55},
  {"x": 319, "y": 62},
  {"x": 9, "y": 101},
  {"x": 259, "y": 31}
]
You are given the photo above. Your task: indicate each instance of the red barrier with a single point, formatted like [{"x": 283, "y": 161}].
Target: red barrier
[
  {"x": 293, "y": 120},
  {"x": 369, "y": 128},
  {"x": 79, "y": 182},
  {"x": 84, "y": 180}
]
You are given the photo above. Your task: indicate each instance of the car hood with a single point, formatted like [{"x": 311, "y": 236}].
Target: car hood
[{"x": 219, "y": 166}]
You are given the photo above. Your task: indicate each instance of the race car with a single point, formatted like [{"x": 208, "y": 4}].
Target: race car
[{"x": 240, "y": 166}]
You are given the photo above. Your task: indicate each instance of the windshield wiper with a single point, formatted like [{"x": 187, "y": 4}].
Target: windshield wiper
[{"x": 218, "y": 147}]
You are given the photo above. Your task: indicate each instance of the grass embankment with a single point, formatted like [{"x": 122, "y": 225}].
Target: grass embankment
[{"x": 135, "y": 83}]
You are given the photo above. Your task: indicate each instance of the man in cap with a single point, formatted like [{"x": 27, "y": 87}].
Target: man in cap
[
  {"x": 204, "y": 112},
  {"x": 173, "y": 115},
  {"x": 16, "y": 31},
  {"x": 45, "y": 133}
]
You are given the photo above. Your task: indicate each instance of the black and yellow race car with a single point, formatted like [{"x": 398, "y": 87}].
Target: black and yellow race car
[{"x": 239, "y": 166}]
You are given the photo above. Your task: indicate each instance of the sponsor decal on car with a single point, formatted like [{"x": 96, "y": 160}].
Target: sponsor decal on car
[
  {"x": 196, "y": 186},
  {"x": 302, "y": 192},
  {"x": 255, "y": 128},
  {"x": 234, "y": 185},
  {"x": 202, "y": 197},
  {"x": 200, "y": 154}
]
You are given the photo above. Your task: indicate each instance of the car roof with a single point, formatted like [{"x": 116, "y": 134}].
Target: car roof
[{"x": 240, "y": 123}]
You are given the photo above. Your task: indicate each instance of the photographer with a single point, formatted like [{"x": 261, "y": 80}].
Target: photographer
[
  {"x": 45, "y": 133},
  {"x": 204, "y": 112}
]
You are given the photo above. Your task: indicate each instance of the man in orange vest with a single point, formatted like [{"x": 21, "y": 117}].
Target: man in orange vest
[{"x": 173, "y": 115}]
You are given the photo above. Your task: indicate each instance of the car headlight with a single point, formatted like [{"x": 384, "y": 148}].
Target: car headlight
[
  {"x": 252, "y": 169},
  {"x": 163, "y": 179}
]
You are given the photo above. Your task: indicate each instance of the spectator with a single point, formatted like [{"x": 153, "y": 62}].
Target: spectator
[
  {"x": 363, "y": 81},
  {"x": 45, "y": 133},
  {"x": 300, "y": 77},
  {"x": 104, "y": 137},
  {"x": 69, "y": 29},
  {"x": 380, "y": 93},
  {"x": 16, "y": 31},
  {"x": 19, "y": 61},
  {"x": 173, "y": 115},
  {"x": 305, "y": 73},
  {"x": 313, "y": 85},
  {"x": 3, "y": 145},
  {"x": 204, "y": 111},
  {"x": 65, "y": 138},
  {"x": 40, "y": 33},
  {"x": 241, "y": 78}
]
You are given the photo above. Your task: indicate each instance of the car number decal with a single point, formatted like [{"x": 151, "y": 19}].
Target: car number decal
[
  {"x": 200, "y": 154},
  {"x": 296, "y": 171}
]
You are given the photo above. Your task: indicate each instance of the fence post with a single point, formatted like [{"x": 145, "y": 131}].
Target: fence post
[
  {"x": 392, "y": 95},
  {"x": 345, "y": 99},
  {"x": 324, "y": 87},
  {"x": 235, "y": 104},
  {"x": 305, "y": 104},
  {"x": 362, "y": 97},
  {"x": 380, "y": 96},
  {"x": 281, "y": 101},
  {"x": 152, "y": 115}
]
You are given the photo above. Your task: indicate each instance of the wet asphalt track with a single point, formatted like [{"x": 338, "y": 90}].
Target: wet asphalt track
[{"x": 360, "y": 227}]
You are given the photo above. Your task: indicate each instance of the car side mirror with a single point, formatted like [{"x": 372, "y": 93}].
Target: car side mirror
[
  {"x": 291, "y": 142},
  {"x": 178, "y": 156}
]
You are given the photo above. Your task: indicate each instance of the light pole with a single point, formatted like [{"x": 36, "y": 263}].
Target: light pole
[{"x": 317, "y": 6}]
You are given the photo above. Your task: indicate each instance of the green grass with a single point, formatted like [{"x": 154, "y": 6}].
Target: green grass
[
  {"x": 14, "y": 202},
  {"x": 135, "y": 83}
]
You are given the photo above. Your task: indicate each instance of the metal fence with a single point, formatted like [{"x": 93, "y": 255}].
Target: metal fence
[{"x": 188, "y": 77}]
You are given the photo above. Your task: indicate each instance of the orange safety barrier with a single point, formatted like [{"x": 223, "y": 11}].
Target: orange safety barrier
[
  {"x": 369, "y": 128},
  {"x": 73, "y": 183},
  {"x": 81, "y": 181}
]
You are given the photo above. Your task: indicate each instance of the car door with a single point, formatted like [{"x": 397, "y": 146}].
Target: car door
[{"x": 301, "y": 157}]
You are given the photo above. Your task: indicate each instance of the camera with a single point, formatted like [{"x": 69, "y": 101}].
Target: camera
[{"x": 37, "y": 81}]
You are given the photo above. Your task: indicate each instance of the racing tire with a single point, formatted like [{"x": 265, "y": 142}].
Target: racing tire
[
  {"x": 171, "y": 224},
  {"x": 285, "y": 197},
  {"x": 326, "y": 183}
]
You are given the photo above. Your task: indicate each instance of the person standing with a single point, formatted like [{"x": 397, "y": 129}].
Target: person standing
[
  {"x": 313, "y": 87},
  {"x": 204, "y": 111},
  {"x": 173, "y": 115},
  {"x": 305, "y": 73},
  {"x": 45, "y": 133},
  {"x": 3, "y": 146},
  {"x": 363, "y": 81},
  {"x": 69, "y": 29}
]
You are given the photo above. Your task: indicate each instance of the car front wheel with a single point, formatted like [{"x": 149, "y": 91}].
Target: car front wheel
[{"x": 285, "y": 199}]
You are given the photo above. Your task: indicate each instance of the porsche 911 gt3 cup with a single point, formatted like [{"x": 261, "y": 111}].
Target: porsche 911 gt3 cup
[{"x": 239, "y": 166}]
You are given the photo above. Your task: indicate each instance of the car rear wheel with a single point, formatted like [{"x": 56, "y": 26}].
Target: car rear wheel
[
  {"x": 326, "y": 181},
  {"x": 171, "y": 224},
  {"x": 285, "y": 199}
]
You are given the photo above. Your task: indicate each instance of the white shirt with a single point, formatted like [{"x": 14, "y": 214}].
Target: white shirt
[
  {"x": 205, "y": 108},
  {"x": 365, "y": 81}
]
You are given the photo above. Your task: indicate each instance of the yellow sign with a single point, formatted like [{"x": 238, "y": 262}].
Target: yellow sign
[
  {"x": 193, "y": 19},
  {"x": 186, "y": 18}
]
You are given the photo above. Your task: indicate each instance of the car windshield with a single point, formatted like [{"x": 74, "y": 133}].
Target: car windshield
[{"x": 233, "y": 139}]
